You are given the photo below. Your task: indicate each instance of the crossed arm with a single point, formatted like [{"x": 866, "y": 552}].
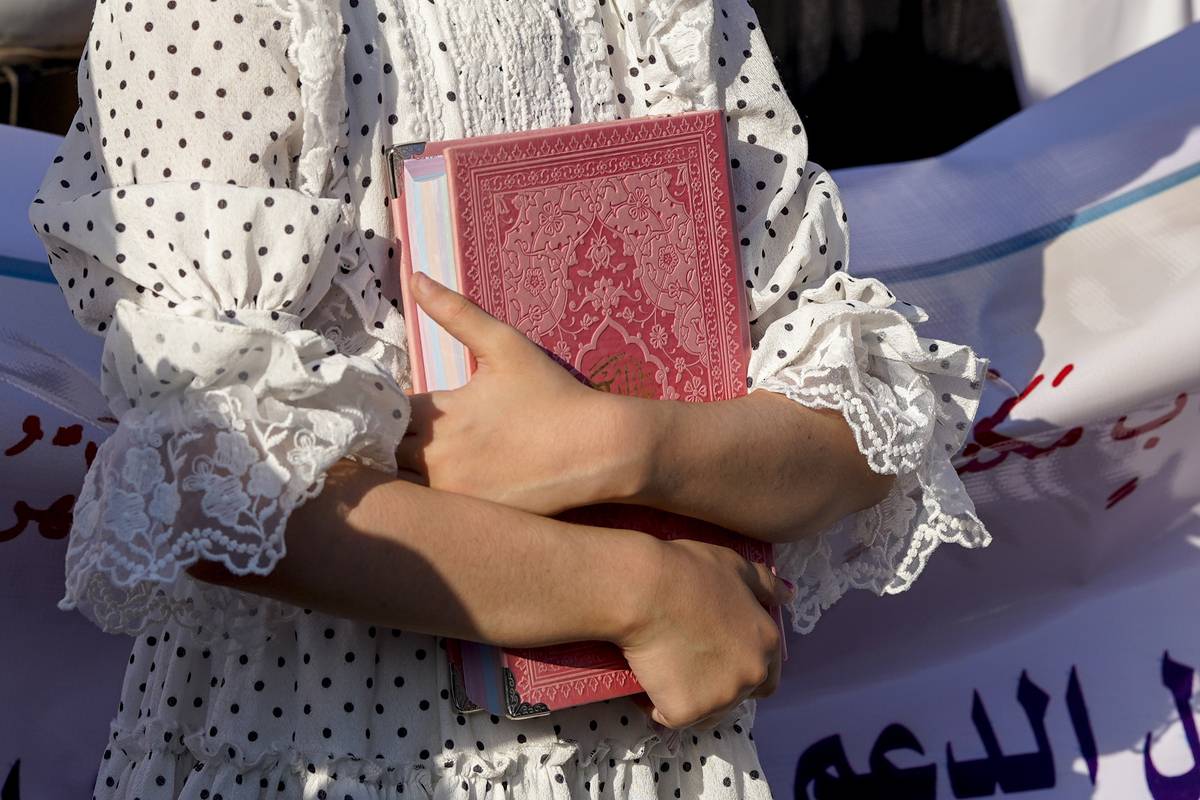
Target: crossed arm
[{"x": 523, "y": 432}]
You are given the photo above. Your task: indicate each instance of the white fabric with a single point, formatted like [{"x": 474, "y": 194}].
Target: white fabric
[
  {"x": 216, "y": 213},
  {"x": 1056, "y": 45}
]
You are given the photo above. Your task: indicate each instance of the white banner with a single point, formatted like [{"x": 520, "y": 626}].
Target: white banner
[
  {"x": 1058, "y": 662},
  {"x": 1065, "y": 245}
]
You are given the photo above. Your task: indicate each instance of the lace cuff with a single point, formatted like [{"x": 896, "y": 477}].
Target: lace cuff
[
  {"x": 226, "y": 427},
  {"x": 909, "y": 401}
]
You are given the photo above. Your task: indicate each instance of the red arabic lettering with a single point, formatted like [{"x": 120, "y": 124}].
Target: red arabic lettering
[
  {"x": 1121, "y": 492},
  {"x": 986, "y": 436},
  {"x": 1121, "y": 432},
  {"x": 68, "y": 436},
  {"x": 53, "y": 522},
  {"x": 32, "y": 428},
  {"x": 1062, "y": 374}
]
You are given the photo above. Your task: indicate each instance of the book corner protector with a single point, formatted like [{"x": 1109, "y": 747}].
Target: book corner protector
[
  {"x": 397, "y": 153},
  {"x": 515, "y": 707}
]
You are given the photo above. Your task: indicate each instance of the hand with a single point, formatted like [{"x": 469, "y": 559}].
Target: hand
[
  {"x": 704, "y": 641},
  {"x": 523, "y": 431}
]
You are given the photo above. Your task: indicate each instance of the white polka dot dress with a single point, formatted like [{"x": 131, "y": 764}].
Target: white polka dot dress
[{"x": 217, "y": 213}]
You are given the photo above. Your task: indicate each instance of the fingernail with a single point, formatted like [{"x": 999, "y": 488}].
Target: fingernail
[{"x": 420, "y": 281}]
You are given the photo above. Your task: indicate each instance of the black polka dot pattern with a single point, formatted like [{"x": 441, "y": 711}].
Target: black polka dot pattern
[{"x": 216, "y": 213}]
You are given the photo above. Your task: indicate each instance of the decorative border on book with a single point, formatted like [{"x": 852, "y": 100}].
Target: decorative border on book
[
  {"x": 516, "y": 708},
  {"x": 679, "y": 141}
]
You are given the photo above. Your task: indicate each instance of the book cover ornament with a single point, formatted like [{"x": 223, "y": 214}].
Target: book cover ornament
[{"x": 611, "y": 245}]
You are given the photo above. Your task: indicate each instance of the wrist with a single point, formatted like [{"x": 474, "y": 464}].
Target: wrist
[
  {"x": 635, "y": 563},
  {"x": 639, "y": 430}
]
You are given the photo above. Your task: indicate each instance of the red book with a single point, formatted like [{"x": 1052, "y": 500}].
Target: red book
[{"x": 612, "y": 246}]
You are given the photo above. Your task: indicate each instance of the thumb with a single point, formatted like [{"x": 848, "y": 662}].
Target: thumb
[
  {"x": 479, "y": 331},
  {"x": 768, "y": 587}
]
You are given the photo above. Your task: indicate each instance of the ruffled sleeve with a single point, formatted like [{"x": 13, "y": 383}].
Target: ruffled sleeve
[
  {"x": 820, "y": 336},
  {"x": 196, "y": 219}
]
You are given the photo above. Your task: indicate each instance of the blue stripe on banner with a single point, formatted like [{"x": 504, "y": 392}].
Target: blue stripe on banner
[
  {"x": 1036, "y": 236},
  {"x": 39, "y": 271}
]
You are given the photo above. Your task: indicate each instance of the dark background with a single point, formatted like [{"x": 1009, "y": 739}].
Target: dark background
[
  {"x": 874, "y": 80},
  {"x": 890, "y": 80}
]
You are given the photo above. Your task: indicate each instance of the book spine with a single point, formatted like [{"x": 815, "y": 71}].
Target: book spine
[
  {"x": 464, "y": 702},
  {"x": 399, "y": 210}
]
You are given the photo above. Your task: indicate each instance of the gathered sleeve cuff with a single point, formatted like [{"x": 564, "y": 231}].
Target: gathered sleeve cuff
[
  {"x": 819, "y": 335},
  {"x": 828, "y": 339},
  {"x": 909, "y": 401},
  {"x": 206, "y": 256},
  {"x": 225, "y": 429}
]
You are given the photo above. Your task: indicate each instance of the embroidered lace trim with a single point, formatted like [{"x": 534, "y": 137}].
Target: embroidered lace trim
[
  {"x": 850, "y": 345},
  {"x": 212, "y": 467},
  {"x": 883, "y": 548}
]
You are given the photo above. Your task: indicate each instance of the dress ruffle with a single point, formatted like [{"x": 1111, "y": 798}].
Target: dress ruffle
[
  {"x": 160, "y": 761},
  {"x": 909, "y": 401},
  {"x": 227, "y": 425}
]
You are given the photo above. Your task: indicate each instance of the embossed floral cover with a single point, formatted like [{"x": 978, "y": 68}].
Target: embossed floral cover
[{"x": 612, "y": 246}]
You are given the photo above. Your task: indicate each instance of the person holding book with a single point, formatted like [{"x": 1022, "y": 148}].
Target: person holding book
[{"x": 287, "y": 532}]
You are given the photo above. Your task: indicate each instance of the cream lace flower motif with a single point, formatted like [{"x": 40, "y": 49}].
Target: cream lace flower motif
[
  {"x": 306, "y": 455},
  {"x": 562, "y": 350},
  {"x": 234, "y": 452},
  {"x": 125, "y": 514},
  {"x": 224, "y": 499},
  {"x": 164, "y": 505},
  {"x": 658, "y": 335},
  {"x": 265, "y": 481},
  {"x": 341, "y": 340},
  {"x": 143, "y": 469}
]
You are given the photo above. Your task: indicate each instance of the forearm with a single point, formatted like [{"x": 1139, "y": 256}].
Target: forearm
[
  {"x": 762, "y": 464},
  {"x": 394, "y": 553}
]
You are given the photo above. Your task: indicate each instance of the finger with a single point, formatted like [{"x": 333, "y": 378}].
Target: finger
[
  {"x": 478, "y": 330},
  {"x": 771, "y": 683},
  {"x": 717, "y": 717},
  {"x": 767, "y": 587},
  {"x": 643, "y": 701},
  {"x": 656, "y": 716}
]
